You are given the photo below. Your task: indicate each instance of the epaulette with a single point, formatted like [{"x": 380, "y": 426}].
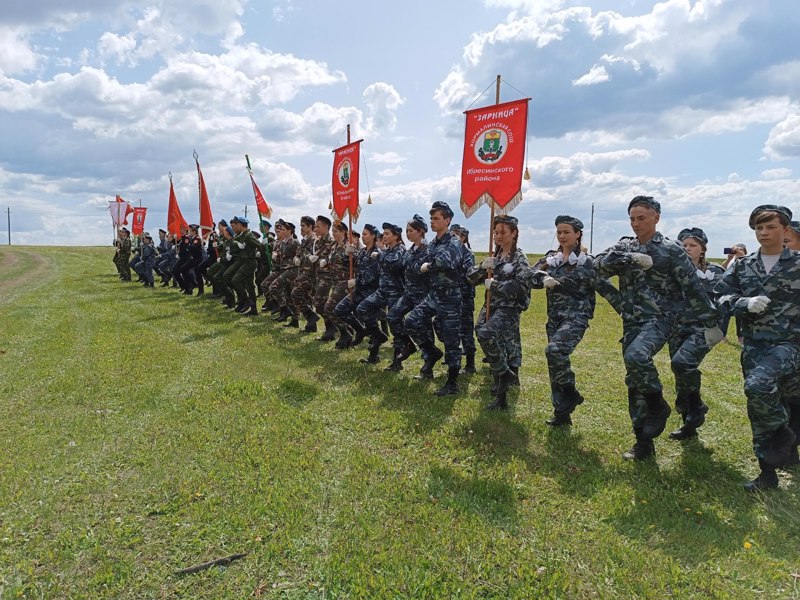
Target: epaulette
[{"x": 626, "y": 238}]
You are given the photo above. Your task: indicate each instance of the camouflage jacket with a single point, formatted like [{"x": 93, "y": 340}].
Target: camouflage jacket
[
  {"x": 367, "y": 270},
  {"x": 338, "y": 262},
  {"x": 780, "y": 322},
  {"x": 415, "y": 283},
  {"x": 284, "y": 252},
  {"x": 322, "y": 249},
  {"x": 575, "y": 296},
  {"x": 148, "y": 253},
  {"x": 307, "y": 248},
  {"x": 669, "y": 288},
  {"x": 467, "y": 262},
  {"x": 125, "y": 247},
  {"x": 392, "y": 262},
  {"x": 445, "y": 262},
  {"x": 510, "y": 288}
]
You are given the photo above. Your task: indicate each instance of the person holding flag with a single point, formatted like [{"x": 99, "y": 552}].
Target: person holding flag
[{"x": 122, "y": 256}]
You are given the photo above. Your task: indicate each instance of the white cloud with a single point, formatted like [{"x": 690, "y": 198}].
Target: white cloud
[
  {"x": 117, "y": 47},
  {"x": 597, "y": 74},
  {"x": 16, "y": 55},
  {"x": 784, "y": 139},
  {"x": 391, "y": 172},
  {"x": 381, "y": 101},
  {"x": 775, "y": 174}
]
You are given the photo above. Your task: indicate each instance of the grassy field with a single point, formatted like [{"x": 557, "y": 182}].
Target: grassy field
[{"x": 144, "y": 431}]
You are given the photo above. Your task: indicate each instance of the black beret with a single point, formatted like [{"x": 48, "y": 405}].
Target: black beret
[
  {"x": 306, "y": 220},
  {"x": 355, "y": 234},
  {"x": 418, "y": 223},
  {"x": 693, "y": 232},
  {"x": 162, "y": 231},
  {"x": 324, "y": 219},
  {"x": 566, "y": 219},
  {"x": 645, "y": 201},
  {"x": 372, "y": 229},
  {"x": 768, "y": 208},
  {"x": 395, "y": 229},
  {"x": 340, "y": 225},
  {"x": 443, "y": 208}
]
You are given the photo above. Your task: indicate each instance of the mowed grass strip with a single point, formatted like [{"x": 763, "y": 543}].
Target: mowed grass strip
[{"x": 145, "y": 431}]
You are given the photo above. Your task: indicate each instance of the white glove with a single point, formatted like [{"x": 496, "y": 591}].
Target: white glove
[
  {"x": 313, "y": 258},
  {"x": 374, "y": 255},
  {"x": 322, "y": 263},
  {"x": 425, "y": 267},
  {"x": 645, "y": 261},
  {"x": 714, "y": 336},
  {"x": 349, "y": 248},
  {"x": 550, "y": 282},
  {"x": 489, "y": 262},
  {"x": 229, "y": 256},
  {"x": 241, "y": 245},
  {"x": 274, "y": 256},
  {"x": 258, "y": 254},
  {"x": 351, "y": 283},
  {"x": 757, "y": 304},
  {"x": 219, "y": 258},
  {"x": 488, "y": 283},
  {"x": 296, "y": 261}
]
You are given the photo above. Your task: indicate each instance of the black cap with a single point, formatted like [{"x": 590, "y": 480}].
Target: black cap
[
  {"x": 306, "y": 220},
  {"x": 768, "y": 208},
  {"x": 341, "y": 226},
  {"x": 395, "y": 229},
  {"x": 566, "y": 219},
  {"x": 194, "y": 226},
  {"x": 256, "y": 234},
  {"x": 693, "y": 232},
  {"x": 324, "y": 219},
  {"x": 162, "y": 231},
  {"x": 506, "y": 220},
  {"x": 356, "y": 235},
  {"x": 418, "y": 223},
  {"x": 125, "y": 229},
  {"x": 645, "y": 201},
  {"x": 443, "y": 208}
]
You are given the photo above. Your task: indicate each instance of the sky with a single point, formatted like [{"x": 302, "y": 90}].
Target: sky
[{"x": 696, "y": 103}]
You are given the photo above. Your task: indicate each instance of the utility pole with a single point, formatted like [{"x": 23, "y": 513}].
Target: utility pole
[
  {"x": 8, "y": 212},
  {"x": 245, "y": 211}
]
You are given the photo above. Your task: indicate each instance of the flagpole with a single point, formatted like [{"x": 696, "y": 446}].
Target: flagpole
[
  {"x": 491, "y": 221},
  {"x": 350, "y": 223}
]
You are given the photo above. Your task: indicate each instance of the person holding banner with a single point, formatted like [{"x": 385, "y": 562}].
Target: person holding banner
[
  {"x": 122, "y": 255},
  {"x": 510, "y": 295},
  {"x": 442, "y": 302},
  {"x": 362, "y": 285},
  {"x": 569, "y": 279}
]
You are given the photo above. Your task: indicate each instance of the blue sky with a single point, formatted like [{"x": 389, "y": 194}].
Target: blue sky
[{"x": 693, "y": 102}]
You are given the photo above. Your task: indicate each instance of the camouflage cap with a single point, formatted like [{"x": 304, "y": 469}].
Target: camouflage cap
[
  {"x": 372, "y": 229},
  {"x": 645, "y": 201},
  {"x": 395, "y": 229},
  {"x": 566, "y": 219},
  {"x": 768, "y": 208},
  {"x": 693, "y": 232},
  {"x": 506, "y": 220},
  {"x": 795, "y": 226},
  {"x": 442, "y": 207},
  {"x": 418, "y": 223}
]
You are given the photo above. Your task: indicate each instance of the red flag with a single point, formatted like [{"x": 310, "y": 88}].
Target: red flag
[
  {"x": 345, "y": 181},
  {"x": 494, "y": 154},
  {"x": 206, "y": 220},
  {"x": 138, "y": 221},
  {"x": 264, "y": 210},
  {"x": 119, "y": 210},
  {"x": 175, "y": 220}
]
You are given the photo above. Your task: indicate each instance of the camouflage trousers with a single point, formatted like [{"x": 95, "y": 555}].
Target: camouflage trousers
[
  {"x": 397, "y": 320},
  {"x": 790, "y": 396},
  {"x": 640, "y": 343},
  {"x": 322, "y": 293},
  {"x": 338, "y": 292},
  {"x": 562, "y": 339},
  {"x": 122, "y": 261},
  {"x": 346, "y": 309},
  {"x": 279, "y": 287},
  {"x": 239, "y": 277},
  {"x": 302, "y": 294},
  {"x": 165, "y": 264},
  {"x": 265, "y": 285},
  {"x": 687, "y": 349},
  {"x": 374, "y": 306},
  {"x": 496, "y": 336},
  {"x": 467, "y": 324},
  {"x": 445, "y": 306},
  {"x": 764, "y": 366},
  {"x": 144, "y": 268}
]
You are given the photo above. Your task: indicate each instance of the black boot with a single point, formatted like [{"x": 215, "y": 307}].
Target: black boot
[
  {"x": 242, "y": 307},
  {"x": 397, "y": 364},
  {"x": 344, "y": 338},
  {"x": 408, "y": 348},
  {"x": 229, "y": 301},
  {"x": 360, "y": 332},
  {"x": 374, "y": 355},
  {"x": 451, "y": 385},
  {"x": 283, "y": 315},
  {"x": 559, "y": 420},
  {"x": 311, "y": 321},
  {"x": 767, "y": 479},
  {"x": 572, "y": 397},
  {"x": 293, "y": 322},
  {"x": 253, "y": 311},
  {"x": 780, "y": 447},
  {"x": 200, "y": 288},
  {"x": 643, "y": 447},
  {"x": 377, "y": 336},
  {"x": 503, "y": 383},
  {"x": 434, "y": 355},
  {"x": 794, "y": 458},
  {"x": 330, "y": 332},
  {"x": 385, "y": 327},
  {"x": 684, "y": 432},
  {"x": 495, "y": 383},
  {"x": 469, "y": 367},
  {"x": 515, "y": 378},
  {"x": 658, "y": 411}
]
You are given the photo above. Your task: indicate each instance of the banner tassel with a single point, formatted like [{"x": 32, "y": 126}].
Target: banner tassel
[
  {"x": 369, "y": 199},
  {"x": 527, "y": 175}
]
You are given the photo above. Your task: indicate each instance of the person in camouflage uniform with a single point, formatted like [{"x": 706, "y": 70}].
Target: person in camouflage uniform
[
  {"x": 790, "y": 387},
  {"x": 415, "y": 287},
  {"x": 570, "y": 281},
  {"x": 687, "y": 345},
  {"x": 264, "y": 262},
  {"x": 167, "y": 259},
  {"x": 216, "y": 271},
  {"x": 763, "y": 289},
  {"x": 505, "y": 275},
  {"x": 390, "y": 287},
  {"x": 362, "y": 285},
  {"x": 240, "y": 276},
  {"x": 338, "y": 263},
  {"x": 148, "y": 259},
  {"x": 302, "y": 293},
  {"x": 122, "y": 256},
  {"x": 467, "y": 322},
  {"x": 442, "y": 302},
  {"x": 284, "y": 272},
  {"x": 324, "y": 278},
  {"x": 657, "y": 282}
]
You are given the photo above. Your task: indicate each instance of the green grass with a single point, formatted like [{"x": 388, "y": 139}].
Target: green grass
[{"x": 144, "y": 431}]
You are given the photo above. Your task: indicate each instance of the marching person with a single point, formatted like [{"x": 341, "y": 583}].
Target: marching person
[
  {"x": 302, "y": 292},
  {"x": 390, "y": 287},
  {"x": 762, "y": 289},
  {"x": 240, "y": 276},
  {"x": 442, "y": 302},
  {"x": 508, "y": 294},
  {"x": 325, "y": 277},
  {"x": 657, "y": 282},
  {"x": 338, "y": 261},
  {"x": 284, "y": 272},
  {"x": 687, "y": 345},
  {"x": 122, "y": 255},
  {"x": 216, "y": 271},
  {"x": 570, "y": 281},
  {"x": 362, "y": 285},
  {"x": 148, "y": 257},
  {"x": 467, "y": 327}
]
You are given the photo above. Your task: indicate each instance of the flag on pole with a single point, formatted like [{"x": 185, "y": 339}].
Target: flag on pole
[
  {"x": 345, "y": 181},
  {"x": 138, "y": 220},
  {"x": 175, "y": 220},
  {"x": 264, "y": 209},
  {"x": 206, "y": 220},
  {"x": 494, "y": 154},
  {"x": 119, "y": 210}
]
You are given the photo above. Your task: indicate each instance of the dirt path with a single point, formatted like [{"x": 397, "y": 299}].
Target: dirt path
[{"x": 9, "y": 259}]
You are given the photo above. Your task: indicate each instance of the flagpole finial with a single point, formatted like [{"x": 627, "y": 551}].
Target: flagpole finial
[
  {"x": 170, "y": 176},
  {"x": 194, "y": 154}
]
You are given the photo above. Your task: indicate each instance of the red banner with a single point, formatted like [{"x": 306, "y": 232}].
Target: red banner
[
  {"x": 206, "y": 220},
  {"x": 345, "y": 181},
  {"x": 175, "y": 219},
  {"x": 138, "y": 221},
  {"x": 264, "y": 211},
  {"x": 494, "y": 155},
  {"x": 119, "y": 210}
]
